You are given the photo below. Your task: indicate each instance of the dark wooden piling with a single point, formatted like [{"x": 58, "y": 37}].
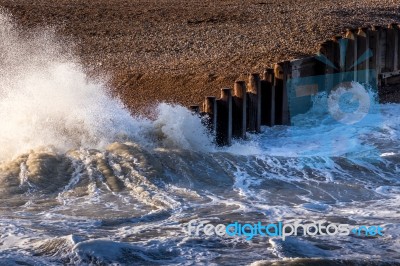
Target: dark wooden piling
[
  {"x": 382, "y": 43},
  {"x": 362, "y": 54},
  {"x": 307, "y": 67},
  {"x": 287, "y": 74},
  {"x": 308, "y": 78},
  {"x": 224, "y": 118},
  {"x": 254, "y": 104},
  {"x": 337, "y": 53},
  {"x": 351, "y": 52},
  {"x": 281, "y": 72},
  {"x": 397, "y": 66},
  {"x": 327, "y": 49},
  {"x": 268, "y": 98},
  {"x": 392, "y": 48},
  {"x": 374, "y": 61},
  {"x": 210, "y": 109},
  {"x": 195, "y": 109},
  {"x": 278, "y": 73},
  {"x": 239, "y": 110}
]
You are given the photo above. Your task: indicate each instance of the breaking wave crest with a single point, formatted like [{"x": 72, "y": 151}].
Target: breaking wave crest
[{"x": 47, "y": 100}]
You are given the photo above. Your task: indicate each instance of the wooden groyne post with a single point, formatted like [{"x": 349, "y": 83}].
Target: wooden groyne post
[
  {"x": 210, "y": 110},
  {"x": 254, "y": 104},
  {"x": 224, "y": 118},
  {"x": 392, "y": 51},
  {"x": 239, "y": 110},
  {"x": 268, "y": 98},
  {"x": 281, "y": 71},
  {"x": 195, "y": 109},
  {"x": 363, "y": 50}
]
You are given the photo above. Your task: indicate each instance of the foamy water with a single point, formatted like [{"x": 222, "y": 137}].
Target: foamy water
[{"x": 84, "y": 181}]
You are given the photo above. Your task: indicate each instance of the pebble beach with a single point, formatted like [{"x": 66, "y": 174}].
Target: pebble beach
[{"x": 181, "y": 51}]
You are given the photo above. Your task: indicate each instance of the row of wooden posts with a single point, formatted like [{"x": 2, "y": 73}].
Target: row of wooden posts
[{"x": 263, "y": 100}]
